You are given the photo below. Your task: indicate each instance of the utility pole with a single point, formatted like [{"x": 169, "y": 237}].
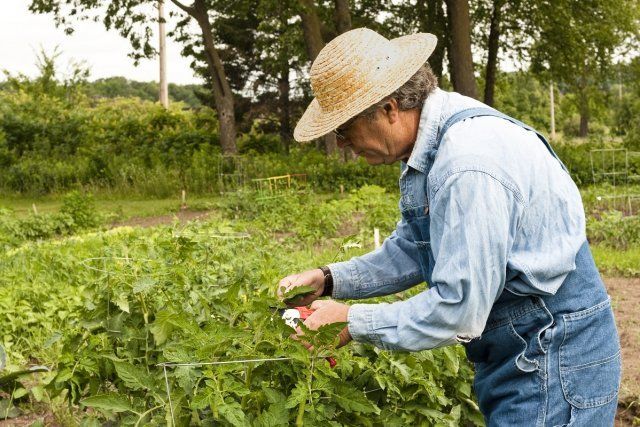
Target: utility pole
[
  {"x": 553, "y": 116},
  {"x": 619, "y": 84},
  {"x": 164, "y": 89}
]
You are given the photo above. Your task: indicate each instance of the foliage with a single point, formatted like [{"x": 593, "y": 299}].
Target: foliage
[
  {"x": 121, "y": 87},
  {"x": 115, "y": 304},
  {"x": 577, "y": 50},
  {"x": 614, "y": 261},
  {"x": 81, "y": 209},
  {"x": 615, "y": 229},
  {"x": 78, "y": 213}
]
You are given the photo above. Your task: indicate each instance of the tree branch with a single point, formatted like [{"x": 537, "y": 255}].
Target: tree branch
[{"x": 188, "y": 9}]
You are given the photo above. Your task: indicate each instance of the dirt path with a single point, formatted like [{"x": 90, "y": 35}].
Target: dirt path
[
  {"x": 625, "y": 298},
  {"x": 152, "y": 221}
]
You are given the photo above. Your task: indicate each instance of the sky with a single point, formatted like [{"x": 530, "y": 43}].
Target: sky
[{"x": 22, "y": 33}]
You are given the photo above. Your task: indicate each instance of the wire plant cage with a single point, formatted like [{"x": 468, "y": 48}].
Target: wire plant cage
[
  {"x": 231, "y": 173},
  {"x": 614, "y": 166}
]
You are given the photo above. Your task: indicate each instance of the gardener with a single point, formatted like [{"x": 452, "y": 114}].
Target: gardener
[{"x": 491, "y": 220}]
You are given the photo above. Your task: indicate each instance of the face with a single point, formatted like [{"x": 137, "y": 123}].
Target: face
[{"x": 383, "y": 140}]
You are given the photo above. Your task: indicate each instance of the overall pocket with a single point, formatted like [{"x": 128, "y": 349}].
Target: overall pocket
[{"x": 590, "y": 364}]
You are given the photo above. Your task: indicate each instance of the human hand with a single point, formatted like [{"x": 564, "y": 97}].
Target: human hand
[
  {"x": 313, "y": 278},
  {"x": 327, "y": 312}
]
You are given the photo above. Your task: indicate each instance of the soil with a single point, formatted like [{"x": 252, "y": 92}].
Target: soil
[
  {"x": 46, "y": 419},
  {"x": 152, "y": 221},
  {"x": 625, "y": 298}
]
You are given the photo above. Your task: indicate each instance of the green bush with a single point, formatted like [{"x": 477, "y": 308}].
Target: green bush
[
  {"x": 614, "y": 230},
  {"x": 81, "y": 208}
]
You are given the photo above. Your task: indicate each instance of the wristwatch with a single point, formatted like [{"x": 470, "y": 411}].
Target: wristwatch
[{"x": 328, "y": 281}]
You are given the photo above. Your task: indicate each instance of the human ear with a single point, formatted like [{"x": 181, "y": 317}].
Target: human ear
[{"x": 391, "y": 110}]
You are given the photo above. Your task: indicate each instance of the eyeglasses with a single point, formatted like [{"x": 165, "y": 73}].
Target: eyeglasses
[{"x": 340, "y": 130}]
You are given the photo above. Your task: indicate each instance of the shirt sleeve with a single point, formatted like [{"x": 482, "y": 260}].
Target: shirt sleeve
[
  {"x": 393, "y": 267},
  {"x": 474, "y": 219}
]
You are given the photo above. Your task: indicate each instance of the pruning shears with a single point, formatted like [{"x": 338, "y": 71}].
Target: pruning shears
[{"x": 293, "y": 316}]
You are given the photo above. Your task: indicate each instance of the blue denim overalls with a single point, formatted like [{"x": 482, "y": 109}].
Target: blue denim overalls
[{"x": 550, "y": 360}]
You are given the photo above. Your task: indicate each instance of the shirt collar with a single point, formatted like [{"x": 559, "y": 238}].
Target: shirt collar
[{"x": 427, "y": 131}]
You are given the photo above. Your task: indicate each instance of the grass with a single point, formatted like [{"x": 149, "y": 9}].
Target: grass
[
  {"x": 120, "y": 209},
  {"x": 617, "y": 262}
]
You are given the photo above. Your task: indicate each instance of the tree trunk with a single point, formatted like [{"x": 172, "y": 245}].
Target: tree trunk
[
  {"x": 222, "y": 94},
  {"x": 283, "y": 107},
  {"x": 492, "y": 60},
  {"x": 312, "y": 30},
  {"x": 463, "y": 79},
  {"x": 431, "y": 19},
  {"x": 584, "y": 114},
  {"x": 342, "y": 16}
]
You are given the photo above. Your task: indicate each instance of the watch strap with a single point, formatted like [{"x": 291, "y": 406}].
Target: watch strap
[{"x": 328, "y": 281}]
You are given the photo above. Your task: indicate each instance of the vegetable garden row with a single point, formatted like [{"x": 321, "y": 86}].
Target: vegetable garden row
[{"x": 103, "y": 311}]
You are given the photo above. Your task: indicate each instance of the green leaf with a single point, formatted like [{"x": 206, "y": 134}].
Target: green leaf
[
  {"x": 297, "y": 294},
  {"x": 38, "y": 393},
  {"x": 122, "y": 302},
  {"x": 19, "y": 392},
  {"x": 144, "y": 285},
  {"x": 162, "y": 326},
  {"x": 8, "y": 410},
  {"x": 451, "y": 359},
  {"x": 232, "y": 412},
  {"x": 108, "y": 402},
  {"x": 134, "y": 377},
  {"x": 202, "y": 399},
  {"x": 298, "y": 395},
  {"x": 402, "y": 369},
  {"x": 276, "y": 415},
  {"x": 353, "y": 400}
]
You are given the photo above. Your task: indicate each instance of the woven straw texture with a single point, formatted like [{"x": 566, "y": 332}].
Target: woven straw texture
[{"x": 354, "y": 71}]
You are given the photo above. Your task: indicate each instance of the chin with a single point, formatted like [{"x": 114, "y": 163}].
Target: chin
[{"x": 374, "y": 161}]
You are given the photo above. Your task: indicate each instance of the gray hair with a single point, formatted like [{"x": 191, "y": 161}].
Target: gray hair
[{"x": 410, "y": 95}]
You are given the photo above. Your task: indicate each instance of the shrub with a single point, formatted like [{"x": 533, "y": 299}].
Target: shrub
[{"x": 81, "y": 209}]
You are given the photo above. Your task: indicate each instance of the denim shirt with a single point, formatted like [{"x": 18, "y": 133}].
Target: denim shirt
[{"x": 489, "y": 208}]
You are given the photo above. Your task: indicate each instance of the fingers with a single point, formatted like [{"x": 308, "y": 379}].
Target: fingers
[
  {"x": 317, "y": 304},
  {"x": 287, "y": 283}
]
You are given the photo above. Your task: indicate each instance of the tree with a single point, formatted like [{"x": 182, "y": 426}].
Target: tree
[
  {"x": 281, "y": 48},
  {"x": 576, "y": 42},
  {"x": 134, "y": 20},
  {"x": 312, "y": 30},
  {"x": 492, "y": 51},
  {"x": 462, "y": 75},
  {"x": 432, "y": 19},
  {"x": 498, "y": 28}
]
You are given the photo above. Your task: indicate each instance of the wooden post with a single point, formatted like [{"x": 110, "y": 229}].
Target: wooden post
[
  {"x": 35, "y": 210},
  {"x": 184, "y": 200},
  {"x": 341, "y": 188},
  {"x": 553, "y": 117},
  {"x": 164, "y": 89},
  {"x": 376, "y": 237}
]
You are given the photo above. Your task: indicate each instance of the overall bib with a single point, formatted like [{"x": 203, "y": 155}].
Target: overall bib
[{"x": 542, "y": 360}]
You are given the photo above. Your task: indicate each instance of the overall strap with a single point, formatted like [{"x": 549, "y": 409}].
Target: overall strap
[{"x": 486, "y": 111}]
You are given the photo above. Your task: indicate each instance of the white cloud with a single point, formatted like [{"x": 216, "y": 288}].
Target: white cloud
[{"x": 22, "y": 33}]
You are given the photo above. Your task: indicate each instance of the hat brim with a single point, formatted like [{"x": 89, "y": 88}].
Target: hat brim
[{"x": 414, "y": 50}]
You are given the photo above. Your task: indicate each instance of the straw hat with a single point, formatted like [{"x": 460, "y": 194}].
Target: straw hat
[{"x": 354, "y": 71}]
